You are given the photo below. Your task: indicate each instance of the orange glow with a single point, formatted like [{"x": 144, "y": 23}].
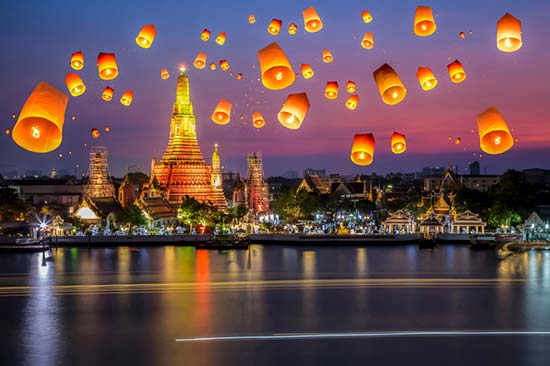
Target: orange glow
[
  {"x": 274, "y": 27},
  {"x": 362, "y": 150},
  {"x": 221, "y": 38},
  {"x": 458, "y": 141},
  {"x": 205, "y": 35},
  {"x": 107, "y": 66},
  {"x": 275, "y": 67},
  {"x": 368, "y": 41},
  {"x": 200, "y": 61},
  {"x": 389, "y": 84},
  {"x": 462, "y": 35},
  {"x": 292, "y": 28},
  {"x": 307, "y": 71},
  {"x": 456, "y": 72},
  {"x": 239, "y": 76},
  {"x": 127, "y": 98},
  {"x": 164, "y": 73},
  {"x": 312, "y": 21},
  {"x": 77, "y": 60},
  {"x": 509, "y": 33},
  {"x": 146, "y": 36},
  {"x": 251, "y": 19},
  {"x": 426, "y": 78},
  {"x": 213, "y": 66},
  {"x": 331, "y": 90},
  {"x": 107, "y": 129},
  {"x": 222, "y": 112},
  {"x": 424, "y": 23},
  {"x": 366, "y": 16},
  {"x": 494, "y": 135},
  {"x": 398, "y": 143},
  {"x": 224, "y": 65},
  {"x": 294, "y": 111},
  {"x": 7, "y": 131},
  {"x": 327, "y": 57},
  {"x": 107, "y": 94},
  {"x": 350, "y": 86},
  {"x": 258, "y": 120},
  {"x": 352, "y": 102},
  {"x": 95, "y": 133},
  {"x": 75, "y": 84}
]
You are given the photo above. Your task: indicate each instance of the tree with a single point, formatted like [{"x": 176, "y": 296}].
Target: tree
[
  {"x": 190, "y": 211},
  {"x": 293, "y": 204},
  {"x": 130, "y": 215},
  {"x": 11, "y": 206}
]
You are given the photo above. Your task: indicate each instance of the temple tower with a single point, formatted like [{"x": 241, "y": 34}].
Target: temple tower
[
  {"x": 258, "y": 190},
  {"x": 126, "y": 192},
  {"x": 217, "y": 197},
  {"x": 99, "y": 178}
]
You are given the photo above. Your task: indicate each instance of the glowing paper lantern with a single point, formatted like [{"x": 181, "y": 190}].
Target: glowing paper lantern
[
  {"x": 251, "y": 19},
  {"x": 77, "y": 60},
  {"x": 107, "y": 94},
  {"x": 239, "y": 76},
  {"x": 127, "y": 98},
  {"x": 107, "y": 66},
  {"x": 146, "y": 36},
  {"x": 307, "y": 71},
  {"x": 426, "y": 78},
  {"x": 75, "y": 84},
  {"x": 221, "y": 38},
  {"x": 224, "y": 65},
  {"x": 200, "y": 61},
  {"x": 294, "y": 111},
  {"x": 95, "y": 133},
  {"x": 458, "y": 141},
  {"x": 312, "y": 21},
  {"x": 366, "y": 16},
  {"x": 352, "y": 102},
  {"x": 107, "y": 129},
  {"x": 164, "y": 74},
  {"x": 40, "y": 123},
  {"x": 398, "y": 143},
  {"x": 212, "y": 66},
  {"x": 368, "y": 41},
  {"x": 7, "y": 131},
  {"x": 327, "y": 57},
  {"x": 509, "y": 33},
  {"x": 331, "y": 90},
  {"x": 424, "y": 23},
  {"x": 350, "y": 86},
  {"x": 362, "y": 150},
  {"x": 222, "y": 113},
  {"x": 275, "y": 68},
  {"x": 462, "y": 35},
  {"x": 292, "y": 28},
  {"x": 205, "y": 35},
  {"x": 456, "y": 71},
  {"x": 274, "y": 27},
  {"x": 257, "y": 120},
  {"x": 494, "y": 135},
  {"x": 389, "y": 84}
]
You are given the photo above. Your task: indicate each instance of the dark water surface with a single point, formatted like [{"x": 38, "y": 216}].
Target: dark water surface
[{"x": 128, "y": 307}]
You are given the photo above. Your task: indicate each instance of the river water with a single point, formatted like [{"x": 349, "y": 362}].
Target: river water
[{"x": 275, "y": 305}]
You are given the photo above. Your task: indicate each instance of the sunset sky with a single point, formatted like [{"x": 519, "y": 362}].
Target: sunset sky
[{"x": 38, "y": 38}]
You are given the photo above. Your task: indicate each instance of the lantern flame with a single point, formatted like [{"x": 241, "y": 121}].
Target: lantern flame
[{"x": 35, "y": 132}]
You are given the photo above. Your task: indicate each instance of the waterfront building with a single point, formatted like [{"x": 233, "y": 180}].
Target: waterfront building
[
  {"x": 431, "y": 224},
  {"x": 158, "y": 212},
  {"x": 467, "y": 222},
  {"x": 536, "y": 227},
  {"x": 99, "y": 178},
  {"x": 98, "y": 210},
  {"x": 313, "y": 183},
  {"x": 258, "y": 189},
  {"x": 399, "y": 221}
]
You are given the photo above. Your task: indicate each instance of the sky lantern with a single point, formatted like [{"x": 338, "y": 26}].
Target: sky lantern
[
  {"x": 164, "y": 73},
  {"x": 368, "y": 41},
  {"x": 462, "y": 35},
  {"x": 424, "y": 23},
  {"x": 366, "y": 16},
  {"x": 331, "y": 90},
  {"x": 327, "y": 57},
  {"x": 251, "y": 19},
  {"x": 494, "y": 135},
  {"x": 312, "y": 21},
  {"x": 239, "y": 76},
  {"x": 205, "y": 35},
  {"x": 200, "y": 61},
  {"x": 221, "y": 38},
  {"x": 7, "y": 131},
  {"x": 352, "y": 102},
  {"x": 294, "y": 111},
  {"x": 146, "y": 36},
  {"x": 224, "y": 65},
  {"x": 222, "y": 113},
  {"x": 274, "y": 27},
  {"x": 275, "y": 68},
  {"x": 456, "y": 72},
  {"x": 426, "y": 78},
  {"x": 362, "y": 150},
  {"x": 307, "y": 71},
  {"x": 75, "y": 84},
  {"x": 107, "y": 128},
  {"x": 509, "y": 33},
  {"x": 389, "y": 84},
  {"x": 212, "y": 66},
  {"x": 458, "y": 141},
  {"x": 107, "y": 66},
  {"x": 351, "y": 87},
  {"x": 398, "y": 143},
  {"x": 40, "y": 124},
  {"x": 95, "y": 133},
  {"x": 107, "y": 94},
  {"x": 77, "y": 60},
  {"x": 257, "y": 120},
  {"x": 292, "y": 28},
  {"x": 127, "y": 98}
]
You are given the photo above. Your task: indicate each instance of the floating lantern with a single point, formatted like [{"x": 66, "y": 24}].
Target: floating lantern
[
  {"x": 366, "y": 16},
  {"x": 274, "y": 27},
  {"x": 331, "y": 90},
  {"x": 222, "y": 113},
  {"x": 426, "y": 78},
  {"x": 362, "y": 150},
  {"x": 257, "y": 120},
  {"x": 205, "y": 35},
  {"x": 352, "y": 102},
  {"x": 146, "y": 36},
  {"x": 327, "y": 57},
  {"x": 251, "y": 19},
  {"x": 462, "y": 35},
  {"x": 494, "y": 135},
  {"x": 292, "y": 28},
  {"x": 127, "y": 98},
  {"x": 312, "y": 21},
  {"x": 164, "y": 74},
  {"x": 239, "y": 76},
  {"x": 275, "y": 68},
  {"x": 368, "y": 41},
  {"x": 107, "y": 129},
  {"x": 107, "y": 94},
  {"x": 200, "y": 61},
  {"x": 450, "y": 138},
  {"x": 458, "y": 141},
  {"x": 7, "y": 131},
  {"x": 73, "y": 117},
  {"x": 294, "y": 111},
  {"x": 13, "y": 115},
  {"x": 224, "y": 65},
  {"x": 307, "y": 71},
  {"x": 389, "y": 84},
  {"x": 424, "y": 23},
  {"x": 75, "y": 84},
  {"x": 40, "y": 123},
  {"x": 95, "y": 133},
  {"x": 509, "y": 33},
  {"x": 398, "y": 143},
  {"x": 350, "y": 86},
  {"x": 106, "y": 66},
  {"x": 221, "y": 38},
  {"x": 456, "y": 72},
  {"x": 212, "y": 66},
  {"x": 77, "y": 60}
]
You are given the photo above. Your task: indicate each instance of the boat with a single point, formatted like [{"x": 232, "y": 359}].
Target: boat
[
  {"x": 26, "y": 245},
  {"x": 505, "y": 238},
  {"x": 225, "y": 242},
  {"x": 483, "y": 241}
]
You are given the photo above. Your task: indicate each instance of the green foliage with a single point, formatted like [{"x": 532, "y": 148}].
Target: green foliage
[
  {"x": 130, "y": 215},
  {"x": 293, "y": 204},
  {"x": 473, "y": 200},
  {"x": 193, "y": 212},
  {"x": 11, "y": 206}
]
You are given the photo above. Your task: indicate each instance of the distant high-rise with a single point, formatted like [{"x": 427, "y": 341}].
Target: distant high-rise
[
  {"x": 258, "y": 189},
  {"x": 474, "y": 168},
  {"x": 99, "y": 178}
]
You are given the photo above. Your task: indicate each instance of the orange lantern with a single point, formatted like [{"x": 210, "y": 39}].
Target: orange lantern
[
  {"x": 224, "y": 65},
  {"x": 274, "y": 27},
  {"x": 95, "y": 133},
  {"x": 331, "y": 90},
  {"x": 362, "y": 150},
  {"x": 350, "y": 86},
  {"x": 352, "y": 102},
  {"x": 251, "y": 19},
  {"x": 327, "y": 57},
  {"x": 221, "y": 38},
  {"x": 389, "y": 84},
  {"x": 509, "y": 33},
  {"x": 424, "y": 23},
  {"x": 292, "y": 28},
  {"x": 494, "y": 135},
  {"x": 275, "y": 68},
  {"x": 205, "y": 35},
  {"x": 75, "y": 84},
  {"x": 398, "y": 143},
  {"x": 239, "y": 76},
  {"x": 368, "y": 41},
  {"x": 107, "y": 94},
  {"x": 146, "y": 36},
  {"x": 40, "y": 123},
  {"x": 426, "y": 78},
  {"x": 106, "y": 66},
  {"x": 77, "y": 60},
  {"x": 200, "y": 61},
  {"x": 127, "y": 98},
  {"x": 307, "y": 71},
  {"x": 294, "y": 111},
  {"x": 7, "y": 131},
  {"x": 367, "y": 17},
  {"x": 257, "y": 120},
  {"x": 462, "y": 35},
  {"x": 212, "y": 66},
  {"x": 458, "y": 140},
  {"x": 312, "y": 21},
  {"x": 164, "y": 74},
  {"x": 107, "y": 129},
  {"x": 222, "y": 113},
  {"x": 456, "y": 72}
]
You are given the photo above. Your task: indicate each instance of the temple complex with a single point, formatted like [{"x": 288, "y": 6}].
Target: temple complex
[{"x": 99, "y": 178}]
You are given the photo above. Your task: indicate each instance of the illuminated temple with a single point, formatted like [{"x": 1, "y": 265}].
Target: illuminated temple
[{"x": 182, "y": 170}]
